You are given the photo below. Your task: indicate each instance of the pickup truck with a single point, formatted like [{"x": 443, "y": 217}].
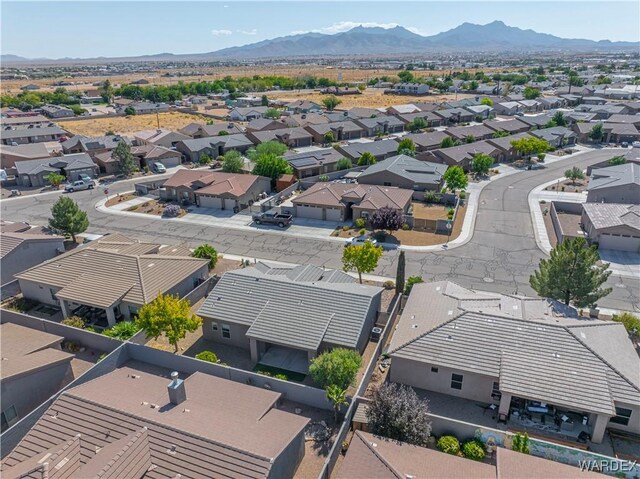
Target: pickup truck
[
  {"x": 272, "y": 218},
  {"x": 78, "y": 185}
]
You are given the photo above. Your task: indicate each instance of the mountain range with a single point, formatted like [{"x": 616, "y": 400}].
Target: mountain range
[{"x": 467, "y": 37}]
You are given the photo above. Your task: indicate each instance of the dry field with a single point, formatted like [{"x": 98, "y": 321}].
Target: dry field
[{"x": 131, "y": 124}]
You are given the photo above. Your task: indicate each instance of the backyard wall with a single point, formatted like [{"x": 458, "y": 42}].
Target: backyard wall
[{"x": 556, "y": 207}]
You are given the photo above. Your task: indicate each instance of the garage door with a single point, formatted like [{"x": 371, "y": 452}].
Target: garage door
[
  {"x": 171, "y": 162},
  {"x": 334, "y": 214},
  {"x": 210, "y": 202},
  {"x": 309, "y": 212},
  {"x": 620, "y": 243}
]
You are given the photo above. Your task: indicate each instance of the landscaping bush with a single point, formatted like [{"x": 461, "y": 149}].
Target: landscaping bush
[
  {"x": 208, "y": 356},
  {"x": 323, "y": 178},
  {"x": 74, "y": 322},
  {"x": 541, "y": 157},
  {"x": 410, "y": 282},
  {"x": 122, "y": 331},
  {"x": 281, "y": 376},
  {"x": 389, "y": 284},
  {"x": 451, "y": 211},
  {"x": 630, "y": 321},
  {"x": 449, "y": 445},
  {"x": 362, "y": 232},
  {"x": 360, "y": 223},
  {"x": 345, "y": 228},
  {"x": 406, "y": 227},
  {"x": 462, "y": 195},
  {"x": 21, "y": 305},
  {"x": 171, "y": 211},
  {"x": 473, "y": 450},
  {"x": 431, "y": 197}
]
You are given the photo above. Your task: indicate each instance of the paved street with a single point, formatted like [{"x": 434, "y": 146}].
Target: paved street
[{"x": 500, "y": 256}]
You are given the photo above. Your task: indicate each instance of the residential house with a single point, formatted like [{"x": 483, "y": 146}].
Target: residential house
[
  {"x": 304, "y": 119},
  {"x": 94, "y": 146},
  {"x": 359, "y": 112},
  {"x": 153, "y": 422},
  {"x": 26, "y": 121},
  {"x": 426, "y": 141},
  {"x": 506, "y": 150},
  {"x": 249, "y": 101},
  {"x": 292, "y": 137},
  {"x": 552, "y": 102},
  {"x": 34, "y": 368},
  {"x": 213, "y": 146},
  {"x": 536, "y": 360},
  {"x": 627, "y": 119},
  {"x": 402, "y": 109},
  {"x": 304, "y": 106},
  {"x": 198, "y": 130},
  {"x": 461, "y": 155},
  {"x": 615, "y": 184},
  {"x": 10, "y": 155},
  {"x": 429, "y": 117},
  {"x": 603, "y": 112},
  {"x": 455, "y": 115},
  {"x": 286, "y": 316},
  {"x": 264, "y": 124},
  {"x": 143, "y": 156},
  {"x": 620, "y": 133},
  {"x": 593, "y": 100},
  {"x": 411, "y": 89},
  {"x": 510, "y": 126},
  {"x": 32, "y": 173},
  {"x": 531, "y": 106},
  {"x": 580, "y": 117},
  {"x": 313, "y": 163},
  {"x": 536, "y": 121},
  {"x": 481, "y": 112},
  {"x": 341, "y": 130},
  {"x": 14, "y": 136},
  {"x": 144, "y": 107},
  {"x": 612, "y": 226},
  {"x": 473, "y": 132},
  {"x": 379, "y": 149},
  {"x": 380, "y": 125},
  {"x": 111, "y": 277},
  {"x": 462, "y": 103},
  {"x": 209, "y": 189},
  {"x": 22, "y": 250},
  {"x": 557, "y": 136},
  {"x": 159, "y": 137},
  {"x": 247, "y": 113},
  {"x": 345, "y": 201},
  {"x": 377, "y": 457},
  {"x": 508, "y": 108},
  {"x": 403, "y": 171},
  {"x": 57, "y": 111}
]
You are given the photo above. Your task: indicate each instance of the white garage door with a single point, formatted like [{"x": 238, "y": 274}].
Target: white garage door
[
  {"x": 334, "y": 214},
  {"x": 620, "y": 243},
  {"x": 171, "y": 162},
  {"x": 210, "y": 202},
  {"x": 309, "y": 212}
]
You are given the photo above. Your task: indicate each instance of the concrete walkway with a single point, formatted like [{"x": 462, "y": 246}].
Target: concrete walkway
[{"x": 125, "y": 205}]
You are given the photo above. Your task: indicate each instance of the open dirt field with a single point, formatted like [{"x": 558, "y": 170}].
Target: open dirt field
[{"x": 131, "y": 124}]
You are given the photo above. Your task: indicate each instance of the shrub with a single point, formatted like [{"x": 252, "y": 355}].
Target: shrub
[
  {"x": 345, "y": 228},
  {"x": 451, "y": 211},
  {"x": 22, "y": 305},
  {"x": 323, "y": 178},
  {"x": 543, "y": 202},
  {"x": 206, "y": 251},
  {"x": 473, "y": 450},
  {"x": 171, "y": 211},
  {"x": 541, "y": 157},
  {"x": 462, "y": 195},
  {"x": 74, "y": 322},
  {"x": 410, "y": 282},
  {"x": 362, "y": 232},
  {"x": 405, "y": 226},
  {"x": 431, "y": 197},
  {"x": 630, "y": 321},
  {"x": 389, "y": 284},
  {"x": 336, "y": 367},
  {"x": 448, "y": 445},
  {"x": 360, "y": 222},
  {"x": 122, "y": 331},
  {"x": 146, "y": 169},
  {"x": 208, "y": 356},
  {"x": 101, "y": 357},
  {"x": 520, "y": 443},
  {"x": 284, "y": 377}
]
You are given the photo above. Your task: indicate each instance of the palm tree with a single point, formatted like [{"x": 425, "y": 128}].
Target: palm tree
[{"x": 338, "y": 397}]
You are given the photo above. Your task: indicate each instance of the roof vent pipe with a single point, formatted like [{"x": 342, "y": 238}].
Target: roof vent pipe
[{"x": 177, "y": 391}]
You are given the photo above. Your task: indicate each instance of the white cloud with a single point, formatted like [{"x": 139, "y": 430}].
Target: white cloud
[
  {"x": 217, "y": 33},
  {"x": 339, "y": 27},
  {"x": 253, "y": 31}
]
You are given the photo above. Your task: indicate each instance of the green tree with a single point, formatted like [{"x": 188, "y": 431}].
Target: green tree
[
  {"x": 596, "y": 133},
  {"x": 531, "y": 93},
  {"x": 574, "y": 174},
  {"x": 418, "y": 123},
  {"x": 205, "y": 159},
  {"x": 206, "y": 251},
  {"x": 411, "y": 282},
  {"x": 500, "y": 134},
  {"x": 481, "y": 164},
  {"x": 367, "y": 159},
  {"x": 446, "y": 142},
  {"x": 264, "y": 101},
  {"x": 55, "y": 179},
  {"x": 362, "y": 258},
  {"x": 559, "y": 119},
  {"x": 343, "y": 164},
  {"x": 520, "y": 443},
  {"x": 530, "y": 145},
  {"x": 233, "y": 162},
  {"x": 486, "y": 101},
  {"x": 473, "y": 86},
  {"x": 67, "y": 218},
  {"x": 338, "y": 398},
  {"x": 122, "y": 154},
  {"x": 106, "y": 91},
  {"x": 123, "y": 330},
  {"x": 168, "y": 316},
  {"x": 405, "y": 76},
  {"x": 337, "y": 367},
  {"x": 574, "y": 80},
  {"x": 267, "y": 148},
  {"x": 572, "y": 274},
  {"x": 272, "y": 113},
  {"x": 328, "y": 138},
  {"x": 129, "y": 111},
  {"x": 271, "y": 166},
  {"x": 617, "y": 160},
  {"x": 469, "y": 139},
  {"x": 331, "y": 102},
  {"x": 630, "y": 322},
  {"x": 400, "y": 273},
  {"x": 406, "y": 145},
  {"x": 455, "y": 178}
]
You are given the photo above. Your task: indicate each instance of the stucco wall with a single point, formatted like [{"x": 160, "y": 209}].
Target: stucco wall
[
  {"x": 27, "y": 255},
  {"x": 627, "y": 194},
  {"x": 238, "y": 333}
]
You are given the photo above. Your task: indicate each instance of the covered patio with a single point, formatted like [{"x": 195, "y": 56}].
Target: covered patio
[{"x": 288, "y": 359}]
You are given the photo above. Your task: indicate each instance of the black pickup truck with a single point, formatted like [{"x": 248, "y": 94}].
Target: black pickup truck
[{"x": 272, "y": 218}]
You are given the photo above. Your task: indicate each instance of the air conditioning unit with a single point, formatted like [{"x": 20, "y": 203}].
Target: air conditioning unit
[{"x": 375, "y": 334}]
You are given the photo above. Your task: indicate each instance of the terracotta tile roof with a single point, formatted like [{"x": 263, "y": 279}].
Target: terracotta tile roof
[
  {"x": 213, "y": 183},
  {"x": 366, "y": 196}
]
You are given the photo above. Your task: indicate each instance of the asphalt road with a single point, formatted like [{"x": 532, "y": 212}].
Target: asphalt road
[{"x": 500, "y": 256}]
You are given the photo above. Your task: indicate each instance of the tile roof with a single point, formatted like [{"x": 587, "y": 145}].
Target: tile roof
[
  {"x": 537, "y": 348},
  {"x": 427, "y": 140},
  {"x": 327, "y": 156},
  {"x": 322, "y": 128},
  {"x": 365, "y": 196},
  {"x": 54, "y": 164},
  {"x": 211, "y": 130},
  {"x": 108, "y": 142},
  {"x": 223, "y": 429},
  {"x": 506, "y": 125},
  {"x": 615, "y": 176},
  {"x": 213, "y": 183},
  {"x": 376, "y": 148},
  {"x": 295, "y": 309},
  {"x": 30, "y": 132},
  {"x": 611, "y": 215},
  {"x": 420, "y": 172},
  {"x": 10, "y": 241},
  {"x": 515, "y": 465},
  {"x": 226, "y": 141}
]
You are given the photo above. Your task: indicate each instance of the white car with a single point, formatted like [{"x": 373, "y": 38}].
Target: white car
[
  {"x": 636, "y": 144},
  {"x": 78, "y": 186},
  {"x": 157, "y": 167},
  {"x": 359, "y": 240}
]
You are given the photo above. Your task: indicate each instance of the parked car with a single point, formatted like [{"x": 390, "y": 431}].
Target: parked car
[
  {"x": 279, "y": 219},
  {"x": 359, "y": 240},
  {"x": 87, "y": 179},
  {"x": 158, "y": 167},
  {"x": 636, "y": 144},
  {"x": 78, "y": 185}
]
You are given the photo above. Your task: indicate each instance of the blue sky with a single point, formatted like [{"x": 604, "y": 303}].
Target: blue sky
[{"x": 90, "y": 28}]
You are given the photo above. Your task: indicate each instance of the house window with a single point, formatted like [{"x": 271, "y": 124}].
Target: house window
[
  {"x": 622, "y": 416},
  {"x": 456, "y": 381},
  {"x": 434, "y": 369},
  {"x": 495, "y": 390},
  {"x": 8, "y": 417},
  {"x": 214, "y": 326},
  {"x": 226, "y": 331}
]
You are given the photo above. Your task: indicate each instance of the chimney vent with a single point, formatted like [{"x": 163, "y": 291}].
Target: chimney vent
[{"x": 177, "y": 392}]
